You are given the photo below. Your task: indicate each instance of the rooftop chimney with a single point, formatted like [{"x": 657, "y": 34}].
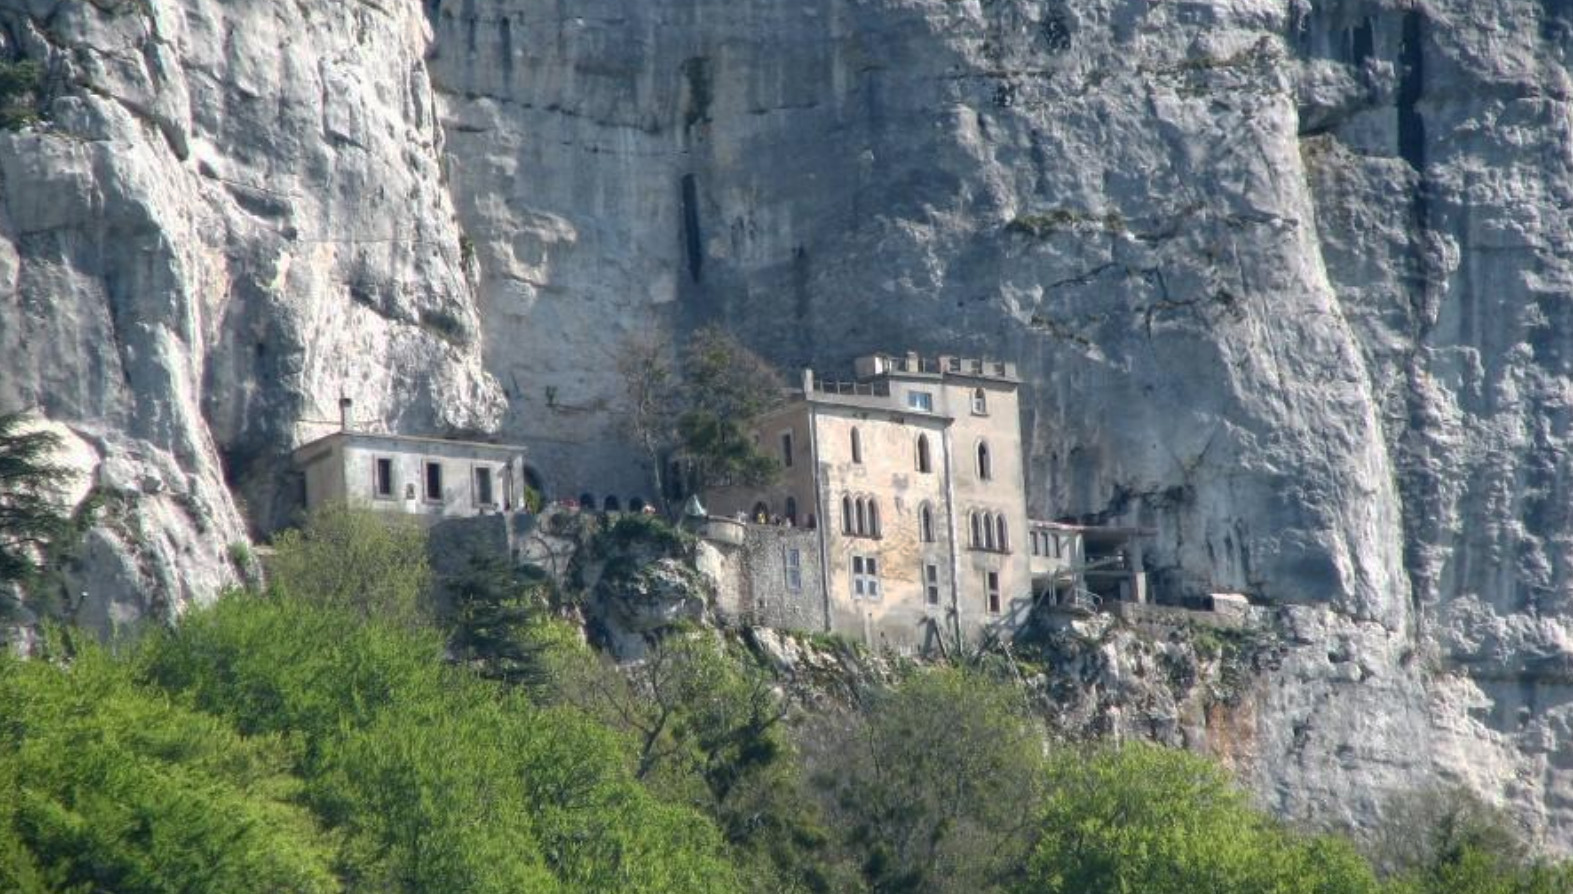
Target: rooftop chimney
[{"x": 346, "y": 415}]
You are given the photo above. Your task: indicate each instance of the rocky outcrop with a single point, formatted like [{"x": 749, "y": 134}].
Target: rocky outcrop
[
  {"x": 1288, "y": 281},
  {"x": 230, "y": 216}
]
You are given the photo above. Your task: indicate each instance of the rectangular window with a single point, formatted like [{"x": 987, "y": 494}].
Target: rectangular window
[
  {"x": 931, "y": 584},
  {"x": 921, "y": 400},
  {"x": 794, "y": 569},
  {"x": 434, "y": 481},
  {"x": 865, "y": 577},
  {"x": 382, "y": 477},
  {"x": 994, "y": 592},
  {"x": 786, "y": 449},
  {"x": 483, "y": 486}
]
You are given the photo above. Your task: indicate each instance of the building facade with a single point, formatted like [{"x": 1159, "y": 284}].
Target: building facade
[
  {"x": 431, "y": 479},
  {"x": 912, "y": 478}
]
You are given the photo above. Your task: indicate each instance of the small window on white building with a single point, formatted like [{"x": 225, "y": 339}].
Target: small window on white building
[
  {"x": 857, "y": 446},
  {"x": 977, "y": 531},
  {"x": 865, "y": 577},
  {"x": 873, "y": 518},
  {"x": 931, "y": 584},
  {"x": 483, "y": 487},
  {"x": 925, "y": 463},
  {"x": 434, "y": 481},
  {"x": 1001, "y": 540},
  {"x": 985, "y": 467},
  {"x": 786, "y": 449},
  {"x": 993, "y": 582},
  {"x": 980, "y": 402},
  {"x": 846, "y": 516},
  {"x": 921, "y": 400},
  {"x": 926, "y": 523},
  {"x": 382, "y": 477},
  {"x": 794, "y": 569},
  {"x": 988, "y": 531}
]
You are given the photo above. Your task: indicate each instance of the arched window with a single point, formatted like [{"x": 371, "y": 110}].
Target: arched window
[
  {"x": 985, "y": 469},
  {"x": 587, "y": 501},
  {"x": 926, "y": 523},
  {"x": 857, "y": 446},
  {"x": 791, "y": 510},
  {"x": 611, "y": 504},
  {"x": 980, "y": 402},
  {"x": 1001, "y": 537},
  {"x": 636, "y": 504},
  {"x": 1033, "y": 536},
  {"x": 862, "y": 517},
  {"x": 873, "y": 518},
  {"x": 988, "y": 531},
  {"x": 924, "y": 463},
  {"x": 977, "y": 531},
  {"x": 761, "y": 513},
  {"x": 846, "y": 515}
]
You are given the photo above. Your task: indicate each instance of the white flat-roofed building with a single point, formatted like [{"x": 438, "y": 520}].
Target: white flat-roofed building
[{"x": 429, "y": 478}]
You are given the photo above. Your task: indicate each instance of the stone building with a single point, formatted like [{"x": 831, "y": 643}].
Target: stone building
[
  {"x": 430, "y": 478},
  {"x": 912, "y": 478}
]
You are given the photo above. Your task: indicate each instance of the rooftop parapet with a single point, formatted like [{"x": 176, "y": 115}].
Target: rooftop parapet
[{"x": 913, "y": 364}]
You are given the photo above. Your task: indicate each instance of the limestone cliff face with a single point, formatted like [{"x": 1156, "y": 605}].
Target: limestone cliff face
[
  {"x": 234, "y": 214},
  {"x": 1288, "y": 280}
]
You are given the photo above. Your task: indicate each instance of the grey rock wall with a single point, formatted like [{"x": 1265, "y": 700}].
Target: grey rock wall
[
  {"x": 1288, "y": 281},
  {"x": 233, "y": 214}
]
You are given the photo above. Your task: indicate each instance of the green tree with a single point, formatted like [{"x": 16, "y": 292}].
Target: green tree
[
  {"x": 371, "y": 564},
  {"x": 434, "y": 779},
  {"x": 935, "y": 784},
  {"x": 497, "y": 619},
  {"x": 105, "y": 786},
  {"x": 696, "y": 406},
  {"x": 32, "y": 515},
  {"x": 1147, "y": 819},
  {"x": 1448, "y": 841},
  {"x": 727, "y": 387}
]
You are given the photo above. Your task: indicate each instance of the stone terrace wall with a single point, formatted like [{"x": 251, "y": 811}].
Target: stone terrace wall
[{"x": 752, "y": 582}]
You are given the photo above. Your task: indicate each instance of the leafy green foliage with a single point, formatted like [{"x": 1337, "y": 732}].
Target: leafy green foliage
[
  {"x": 727, "y": 387},
  {"x": 1448, "y": 841},
  {"x": 495, "y": 618},
  {"x": 699, "y": 409},
  {"x": 935, "y": 783},
  {"x": 1143, "y": 818},
  {"x": 20, "y": 82},
  {"x": 32, "y": 517},
  {"x": 370, "y": 564},
  {"x": 437, "y": 780},
  {"x": 107, "y": 786}
]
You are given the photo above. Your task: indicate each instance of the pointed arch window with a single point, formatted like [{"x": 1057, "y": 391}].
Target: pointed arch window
[
  {"x": 861, "y": 526},
  {"x": 873, "y": 518},
  {"x": 977, "y": 530},
  {"x": 926, "y": 523},
  {"x": 925, "y": 463},
  {"x": 1001, "y": 539},
  {"x": 985, "y": 466},
  {"x": 846, "y": 515},
  {"x": 857, "y": 446},
  {"x": 988, "y": 531}
]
